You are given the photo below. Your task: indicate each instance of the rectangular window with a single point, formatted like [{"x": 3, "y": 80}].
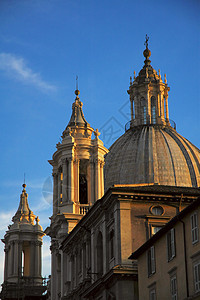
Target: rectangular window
[
  {"x": 152, "y": 294},
  {"x": 171, "y": 249},
  {"x": 194, "y": 228},
  {"x": 155, "y": 229},
  {"x": 151, "y": 261},
  {"x": 197, "y": 277},
  {"x": 174, "y": 288}
]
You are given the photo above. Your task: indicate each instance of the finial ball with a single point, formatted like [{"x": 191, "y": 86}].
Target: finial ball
[
  {"x": 147, "y": 53},
  {"x": 24, "y": 185},
  {"x": 77, "y": 92}
]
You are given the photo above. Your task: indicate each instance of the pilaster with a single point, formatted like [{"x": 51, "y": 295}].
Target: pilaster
[{"x": 64, "y": 182}]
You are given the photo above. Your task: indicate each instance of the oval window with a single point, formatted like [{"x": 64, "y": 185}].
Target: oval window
[{"x": 157, "y": 210}]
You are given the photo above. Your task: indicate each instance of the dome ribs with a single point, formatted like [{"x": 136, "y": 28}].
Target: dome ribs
[
  {"x": 196, "y": 162},
  {"x": 188, "y": 160},
  {"x": 153, "y": 154},
  {"x": 170, "y": 153}
]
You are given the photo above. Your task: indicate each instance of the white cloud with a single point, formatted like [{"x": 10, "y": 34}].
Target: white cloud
[
  {"x": 5, "y": 220},
  {"x": 17, "y": 67}
]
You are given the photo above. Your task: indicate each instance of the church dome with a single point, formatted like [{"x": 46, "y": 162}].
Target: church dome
[
  {"x": 153, "y": 154},
  {"x": 151, "y": 150}
]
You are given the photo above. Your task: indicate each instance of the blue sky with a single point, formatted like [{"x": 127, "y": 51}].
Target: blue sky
[{"x": 45, "y": 44}]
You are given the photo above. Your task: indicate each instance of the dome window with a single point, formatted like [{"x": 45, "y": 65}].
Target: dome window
[
  {"x": 153, "y": 110},
  {"x": 143, "y": 110},
  {"x": 157, "y": 210}
]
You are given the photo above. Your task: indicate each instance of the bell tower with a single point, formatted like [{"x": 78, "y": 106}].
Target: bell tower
[
  {"x": 78, "y": 181},
  {"x": 148, "y": 95},
  {"x": 23, "y": 243}
]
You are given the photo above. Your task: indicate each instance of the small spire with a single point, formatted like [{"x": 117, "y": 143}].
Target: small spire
[
  {"x": 76, "y": 82},
  {"x": 134, "y": 75},
  {"x": 147, "y": 52},
  {"x": 165, "y": 78},
  {"x": 24, "y": 186},
  {"x": 37, "y": 220},
  {"x": 159, "y": 72},
  {"x": 131, "y": 80},
  {"x": 146, "y": 41},
  {"x": 97, "y": 133}
]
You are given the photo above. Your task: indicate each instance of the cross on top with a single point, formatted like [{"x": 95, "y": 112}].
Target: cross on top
[{"x": 146, "y": 41}]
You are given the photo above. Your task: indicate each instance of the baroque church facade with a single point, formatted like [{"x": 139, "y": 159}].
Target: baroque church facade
[{"x": 107, "y": 203}]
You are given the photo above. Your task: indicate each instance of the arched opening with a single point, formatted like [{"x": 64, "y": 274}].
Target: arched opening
[
  {"x": 143, "y": 111},
  {"x": 153, "y": 110},
  {"x": 99, "y": 253},
  {"x": 83, "y": 186},
  {"x": 26, "y": 259}
]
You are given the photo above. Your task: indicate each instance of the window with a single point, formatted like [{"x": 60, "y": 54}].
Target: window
[
  {"x": 155, "y": 229},
  {"x": 143, "y": 110},
  {"x": 153, "y": 110},
  {"x": 157, "y": 210},
  {"x": 171, "y": 244},
  {"x": 152, "y": 294},
  {"x": 174, "y": 288},
  {"x": 151, "y": 261},
  {"x": 197, "y": 277},
  {"x": 194, "y": 228}
]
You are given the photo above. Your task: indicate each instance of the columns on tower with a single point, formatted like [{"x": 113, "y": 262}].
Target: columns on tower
[
  {"x": 76, "y": 177},
  {"x": 148, "y": 105},
  {"x": 97, "y": 179},
  {"x": 6, "y": 263},
  {"x": 92, "y": 180},
  {"x": 71, "y": 179},
  {"x": 38, "y": 246},
  {"x": 64, "y": 182},
  {"x": 55, "y": 193},
  {"x": 102, "y": 178},
  {"x": 131, "y": 108},
  {"x": 59, "y": 186},
  {"x": 166, "y": 107}
]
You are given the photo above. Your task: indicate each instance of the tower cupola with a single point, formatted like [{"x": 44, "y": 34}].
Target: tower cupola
[
  {"x": 23, "y": 257},
  {"x": 78, "y": 165},
  {"x": 148, "y": 95}
]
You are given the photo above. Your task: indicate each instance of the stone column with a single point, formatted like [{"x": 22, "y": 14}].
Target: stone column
[
  {"x": 89, "y": 182},
  {"x": 97, "y": 180},
  {"x": 37, "y": 259},
  {"x": 104, "y": 244},
  {"x": 11, "y": 259},
  {"x": 92, "y": 182},
  {"x": 102, "y": 178},
  {"x": 53, "y": 272},
  {"x": 148, "y": 106},
  {"x": 55, "y": 193},
  {"x": 64, "y": 183},
  {"x": 76, "y": 180},
  {"x": 16, "y": 254},
  {"x": 6, "y": 264},
  {"x": 71, "y": 179},
  {"x": 64, "y": 272},
  {"x": 32, "y": 258},
  {"x": 162, "y": 107},
  {"x": 93, "y": 252},
  {"x": 166, "y": 108},
  {"x": 59, "y": 187},
  {"x": 131, "y": 108},
  {"x": 159, "y": 104}
]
